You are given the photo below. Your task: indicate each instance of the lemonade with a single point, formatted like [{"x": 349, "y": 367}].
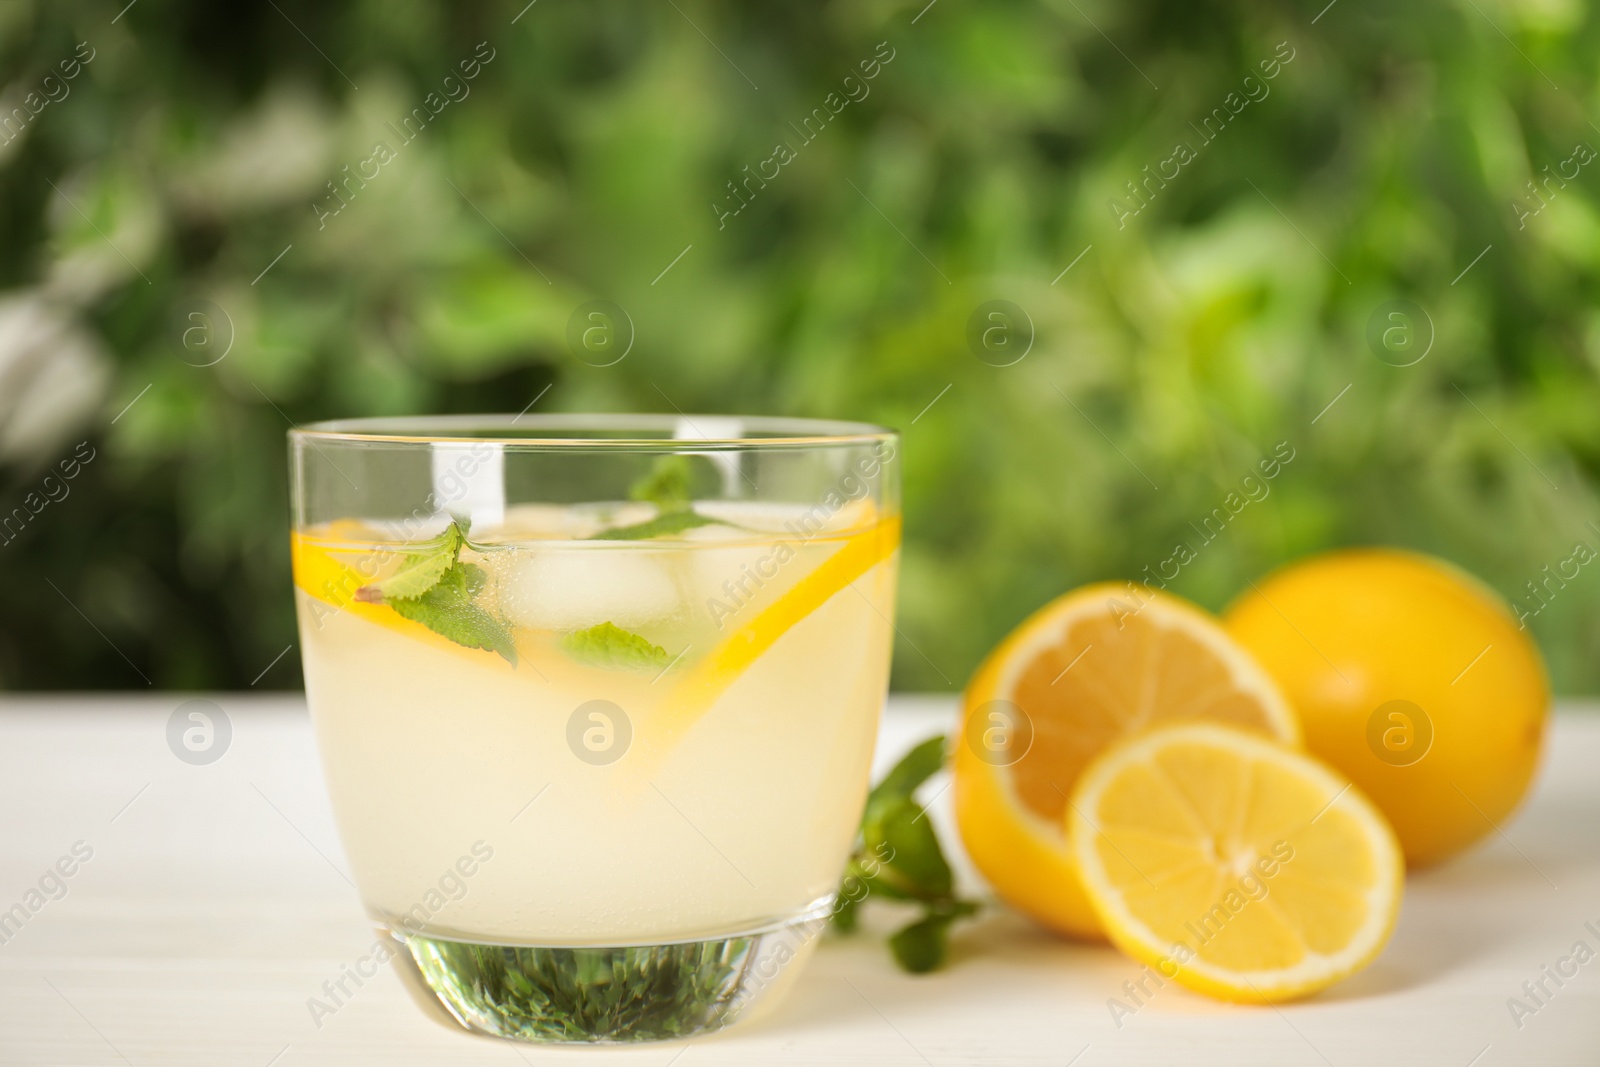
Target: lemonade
[{"x": 597, "y": 766}]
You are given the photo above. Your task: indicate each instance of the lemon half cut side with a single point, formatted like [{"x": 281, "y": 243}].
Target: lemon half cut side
[{"x": 1241, "y": 868}]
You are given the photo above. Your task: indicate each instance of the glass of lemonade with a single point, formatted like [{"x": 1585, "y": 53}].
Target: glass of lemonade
[{"x": 596, "y": 699}]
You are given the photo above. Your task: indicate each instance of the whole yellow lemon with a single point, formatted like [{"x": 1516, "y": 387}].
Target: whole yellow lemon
[{"x": 1413, "y": 679}]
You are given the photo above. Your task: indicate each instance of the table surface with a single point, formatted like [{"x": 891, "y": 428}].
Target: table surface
[{"x": 214, "y": 906}]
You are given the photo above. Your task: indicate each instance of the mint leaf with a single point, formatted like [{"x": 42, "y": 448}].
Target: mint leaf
[
  {"x": 668, "y": 523},
  {"x": 872, "y": 877},
  {"x": 421, "y": 569},
  {"x": 433, "y": 587},
  {"x": 609, "y": 645},
  {"x": 851, "y": 892},
  {"x": 666, "y": 486},
  {"x": 914, "y": 768},
  {"x": 902, "y": 830},
  {"x": 899, "y": 858},
  {"x": 920, "y": 946},
  {"x": 448, "y": 609},
  {"x": 895, "y": 826}
]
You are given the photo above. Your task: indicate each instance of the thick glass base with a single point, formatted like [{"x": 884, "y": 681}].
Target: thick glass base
[{"x": 615, "y": 994}]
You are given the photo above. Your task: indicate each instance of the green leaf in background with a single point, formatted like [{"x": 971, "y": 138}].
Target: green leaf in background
[
  {"x": 450, "y": 609},
  {"x": 1195, "y": 335},
  {"x": 423, "y": 566},
  {"x": 609, "y": 645},
  {"x": 899, "y": 858}
]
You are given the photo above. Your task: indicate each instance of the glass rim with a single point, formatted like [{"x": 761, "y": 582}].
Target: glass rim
[{"x": 537, "y": 432}]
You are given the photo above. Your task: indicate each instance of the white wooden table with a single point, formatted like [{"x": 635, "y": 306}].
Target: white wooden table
[{"x": 214, "y": 906}]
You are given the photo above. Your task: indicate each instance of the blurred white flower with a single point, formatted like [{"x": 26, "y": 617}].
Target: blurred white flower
[
  {"x": 275, "y": 153},
  {"x": 53, "y": 377}
]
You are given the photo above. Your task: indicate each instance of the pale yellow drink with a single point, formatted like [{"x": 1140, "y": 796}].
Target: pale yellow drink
[{"x": 478, "y": 800}]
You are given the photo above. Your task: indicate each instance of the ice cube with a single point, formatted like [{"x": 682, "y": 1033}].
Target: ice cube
[
  {"x": 750, "y": 571},
  {"x": 573, "y": 588},
  {"x": 529, "y": 522}
]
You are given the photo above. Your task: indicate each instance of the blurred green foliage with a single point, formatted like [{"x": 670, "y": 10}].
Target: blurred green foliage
[{"x": 190, "y": 159}]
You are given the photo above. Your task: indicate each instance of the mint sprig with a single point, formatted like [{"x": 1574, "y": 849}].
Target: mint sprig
[
  {"x": 422, "y": 568},
  {"x": 899, "y": 858},
  {"x": 662, "y": 525},
  {"x": 449, "y": 610},
  {"x": 609, "y": 645},
  {"x": 432, "y": 586},
  {"x": 667, "y": 487}
]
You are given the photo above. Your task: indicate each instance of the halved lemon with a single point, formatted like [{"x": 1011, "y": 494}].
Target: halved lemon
[
  {"x": 1084, "y": 671},
  {"x": 1240, "y": 868}
]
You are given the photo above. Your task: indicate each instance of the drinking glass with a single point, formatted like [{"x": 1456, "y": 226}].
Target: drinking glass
[{"x": 596, "y": 699}]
